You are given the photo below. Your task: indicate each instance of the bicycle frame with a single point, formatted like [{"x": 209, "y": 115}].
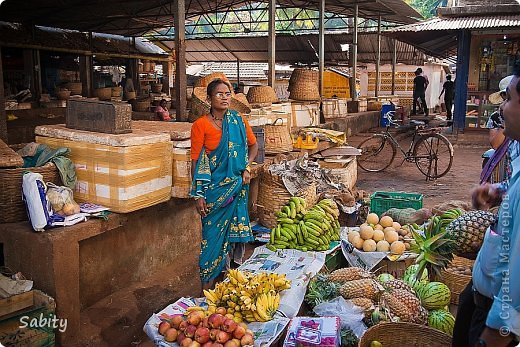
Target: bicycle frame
[{"x": 388, "y": 136}]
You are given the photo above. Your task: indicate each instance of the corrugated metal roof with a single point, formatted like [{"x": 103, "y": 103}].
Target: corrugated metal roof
[
  {"x": 475, "y": 22},
  {"x": 248, "y": 71}
]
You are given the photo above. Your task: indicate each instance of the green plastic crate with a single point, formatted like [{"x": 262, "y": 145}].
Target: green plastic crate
[{"x": 380, "y": 202}]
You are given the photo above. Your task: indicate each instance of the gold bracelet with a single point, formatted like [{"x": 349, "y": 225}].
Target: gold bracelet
[{"x": 248, "y": 168}]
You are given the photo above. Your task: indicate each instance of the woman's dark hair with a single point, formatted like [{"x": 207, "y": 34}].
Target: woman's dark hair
[
  {"x": 448, "y": 77},
  {"x": 213, "y": 85}
]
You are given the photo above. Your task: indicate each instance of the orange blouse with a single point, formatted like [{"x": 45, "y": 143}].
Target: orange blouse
[{"x": 206, "y": 134}]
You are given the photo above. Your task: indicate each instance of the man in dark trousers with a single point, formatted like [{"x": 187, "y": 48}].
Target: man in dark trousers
[
  {"x": 448, "y": 88},
  {"x": 419, "y": 89}
]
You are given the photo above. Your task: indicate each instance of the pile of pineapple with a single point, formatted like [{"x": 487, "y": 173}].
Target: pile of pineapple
[{"x": 381, "y": 235}]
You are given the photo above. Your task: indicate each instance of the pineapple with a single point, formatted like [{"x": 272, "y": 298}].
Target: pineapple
[
  {"x": 422, "y": 317},
  {"x": 348, "y": 274},
  {"x": 397, "y": 284},
  {"x": 396, "y": 309},
  {"x": 408, "y": 299},
  {"x": 364, "y": 288},
  {"x": 468, "y": 230},
  {"x": 366, "y": 304},
  {"x": 320, "y": 289}
]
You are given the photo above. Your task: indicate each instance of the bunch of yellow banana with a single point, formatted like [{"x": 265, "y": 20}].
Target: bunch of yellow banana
[{"x": 241, "y": 293}]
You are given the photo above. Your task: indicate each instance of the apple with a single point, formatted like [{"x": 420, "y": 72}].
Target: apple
[
  {"x": 176, "y": 321},
  {"x": 183, "y": 325},
  {"x": 205, "y": 322},
  {"x": 202, "y": 335},
  {"x": 247, "y": 340},
  {"x": 163, "y": 327},
  {"x": 229, "y": 325},
  {"x": 223, "y": 337},
  {"x": 221, "y": 310},
  {"x": 250, "y": 332},
  {"x": 239, "y": 332},
  {"x": 208, "y": 344},
  {"x": 232, "y": 343},
  {"x": 216, "y": 344},
  {"x": 194, "y": 318},
  {"x": 194, "y": 344},
  {"x": 215, "y": 320},
  {"x": 186, "y": 342},
  {"x": 180, "y": 338},
  {"x": 190, "y": 331},
  {"x": 213, "y": 334},
  {"x": 171, "y": 335}
]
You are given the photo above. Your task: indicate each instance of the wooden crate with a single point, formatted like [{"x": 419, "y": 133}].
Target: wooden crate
[
  {"x": 12, "y": 332},
  {"x": 99, "y": 116},
  {"x": 16, "y": 303}
]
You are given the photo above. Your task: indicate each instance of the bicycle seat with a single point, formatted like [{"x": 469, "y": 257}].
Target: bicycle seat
[{"x": 417, "y": 122}]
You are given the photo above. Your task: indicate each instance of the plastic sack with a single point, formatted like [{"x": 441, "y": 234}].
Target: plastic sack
[
  {"x": 62, "y": 200},
  {"x": 34, "y": 194},
  {"x": 351, "y": 316}
]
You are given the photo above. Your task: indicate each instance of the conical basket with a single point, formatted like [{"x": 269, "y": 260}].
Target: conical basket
[
  {"x": 261, "y": 95},
  {"x": 305, "y": 91},
  {"x": 239, "y": 103},
  {"x": 204, "y": 81},
  {"x": 199, "y": 104},
  {"x": 303, "y": 75}
]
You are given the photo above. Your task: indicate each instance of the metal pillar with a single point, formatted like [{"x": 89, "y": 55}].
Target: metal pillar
[
  {"x": 461, "y": 82},
  {"x": 3, "y": 114},
  {"x": 394, "y": 63},
  {"x": 321, "y": 46},
  {"x": 179, "y": 17},
  {"x": 353, "y": 79},
  {"x": 378, "y": 57},
  {"x": 271, "y": 45},
  {"x": 85, "y": 74}
]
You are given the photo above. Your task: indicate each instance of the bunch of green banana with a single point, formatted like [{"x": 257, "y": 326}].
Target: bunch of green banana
[
  {"x": 293, "y": 211},
  {"x": 313, "y": 230}
]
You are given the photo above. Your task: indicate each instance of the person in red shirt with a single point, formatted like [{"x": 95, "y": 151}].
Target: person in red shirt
[
  {"x": 223, "y": 147},
  {"x": 162, "y": 112}
]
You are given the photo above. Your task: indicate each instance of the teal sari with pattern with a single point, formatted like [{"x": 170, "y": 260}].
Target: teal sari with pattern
[{"x": 218, "y": 179}]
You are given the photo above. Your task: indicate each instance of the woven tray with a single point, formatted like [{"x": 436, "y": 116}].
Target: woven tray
[
  {"x": 404, "y": 334},
  {"x": 273, "y": 195},
  {"x": 456, "y": 282},
  {"x": 8, "y": 157},
  {"x": 11, "y": 204}
]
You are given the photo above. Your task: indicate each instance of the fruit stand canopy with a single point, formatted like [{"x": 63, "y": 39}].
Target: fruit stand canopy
[{"x": 136, "y": 18}]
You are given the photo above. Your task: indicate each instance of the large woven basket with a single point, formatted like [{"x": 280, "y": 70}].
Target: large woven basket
[
  {"x": 75, "y": 87},
  {"x": 277, "y": 138},
  {"x": 261, "y": 95},
  {"x": 273, "y": 195},
  {"x": 103, "y": 93},
  {"x": 239, "y": 103},
  {"x": 130, "y": 95},
  {"x": 63, "y": 94},
  {"x": 456, "y": 282},
  {"x": 404, "y": 334},
  {"x": 11, "y": 204},
  {"x": 199, "y": 104},
  {"x": 305, "y": 91},
  {"x": 204, "y": 81},
  {"x": 303, "y": 75},
  {"x": 141, "y": 105},
  {"x": 117, "y": 91},
  {"x": 156, "y": 88}
]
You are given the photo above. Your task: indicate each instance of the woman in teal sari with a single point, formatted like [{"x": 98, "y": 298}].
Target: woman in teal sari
[{"x": 222, "y": 148}]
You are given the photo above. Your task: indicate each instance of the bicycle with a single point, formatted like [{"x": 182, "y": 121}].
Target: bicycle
[{"x": 431, "y": 151}]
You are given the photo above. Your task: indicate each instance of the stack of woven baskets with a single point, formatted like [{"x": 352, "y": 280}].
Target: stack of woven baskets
[
  {"x": 303, "y": 85},
  {"x": 261, "y": 96}
]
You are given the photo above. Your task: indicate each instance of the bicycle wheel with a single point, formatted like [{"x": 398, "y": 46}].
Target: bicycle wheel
[
  {"x": 377, "y": 153},
  {"x": 433, "y": 155}
]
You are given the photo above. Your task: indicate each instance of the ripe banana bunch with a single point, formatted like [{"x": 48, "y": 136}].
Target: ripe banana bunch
[
  {"x": 241, "y": 293},
  {"x": 314, "y": 231}
]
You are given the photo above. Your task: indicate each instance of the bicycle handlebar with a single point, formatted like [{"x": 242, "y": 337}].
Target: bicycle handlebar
[{"x": 389, "y": 116}]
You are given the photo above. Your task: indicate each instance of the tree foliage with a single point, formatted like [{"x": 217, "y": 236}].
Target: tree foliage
[{"x": 427, "y": 8}]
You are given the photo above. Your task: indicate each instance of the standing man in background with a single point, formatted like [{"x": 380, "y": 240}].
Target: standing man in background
[
  {"x": 419, "y": 92},
  {"x": 448, "y": 88}
]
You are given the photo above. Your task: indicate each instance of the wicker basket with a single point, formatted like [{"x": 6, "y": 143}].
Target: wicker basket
[
  {"x": 63, "y": 94},
  {"x": 141, "y": 105},
  {"x": 456, "y": 282},
  {"x": 75, "y": 88},
  {"x": 305, "y": 91},
  {"x": 130, "y": 95},
  {"x": 239, "y": 103},
  {"x": 303, "y": 75},
  {"x": 156, "y": 88},
  {"x": 11, "y": 204},
  {"x": 273, "y": 195},
  {"x": 199, "y": 104},
  {"x": 103, "y": 93},
  {"x": 277, "y": 138},
  {"x": 261, "y": 95},
  {"x": 204, "y": 81},
  {"x": 404, "y": 334},
  {"x": 117, "y": 91}
]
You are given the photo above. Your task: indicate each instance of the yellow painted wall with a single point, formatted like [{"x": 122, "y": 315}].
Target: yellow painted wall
[{"x": 335, "y": 85}]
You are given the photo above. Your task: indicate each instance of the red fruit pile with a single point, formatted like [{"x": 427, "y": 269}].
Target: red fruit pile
[{"x": 197, "y": 330}]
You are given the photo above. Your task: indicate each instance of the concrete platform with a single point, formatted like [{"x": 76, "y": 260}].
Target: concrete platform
[
  {"x": 109, "y": 276},
  {"x": 355, "y": 123}
]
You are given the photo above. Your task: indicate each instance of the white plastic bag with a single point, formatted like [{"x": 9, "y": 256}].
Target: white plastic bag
[
  {"x": 34, "y": 194},
  {"x": 351, "y": 316}
]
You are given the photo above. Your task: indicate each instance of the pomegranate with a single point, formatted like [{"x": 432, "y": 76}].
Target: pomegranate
[
  {"x": 213, "y": 334},
  {"x": 239, "y": 332},
  {"x": 215, "y": 320},
  {"x": 223, "y": 337},
  {"x": 232, "y": 343},
  {"x": 194, "y": 318},
  {"x": 171, "y": 335},
  {"x": 202, "y": 335},
  {"x": 183, "y": 325},
  {"x": 229, "y": 325},
  {"x": 176, "y": 321},
  {"x": 180, "y": 338},
  {"x": 247, "y": 340},
  {"x": 190, "y": 331},
  {"x": 186, "y": 342},
  {"x": 163, "y": 327}
]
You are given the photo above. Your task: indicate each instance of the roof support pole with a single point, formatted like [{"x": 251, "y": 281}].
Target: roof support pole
[
  {"x": 271, "y": 45},
  {"x": 394, "y": 63},
  {"x": 461, "y": 82},
  {"x": 3, "y": 114},
  {"x": 378, "y": 57},
  {"x": 179, "y": 17},
  {"x": 353, "y": 90},
  {"x": 321, "y": 45},
  {"x": 238, "y": 73},
  {"x": 86, "y": 69}
]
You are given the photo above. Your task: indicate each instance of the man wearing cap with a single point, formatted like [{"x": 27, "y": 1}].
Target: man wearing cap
[
  {"x": 495, "y": 317},
  {"x": 419, "y": 92}
]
